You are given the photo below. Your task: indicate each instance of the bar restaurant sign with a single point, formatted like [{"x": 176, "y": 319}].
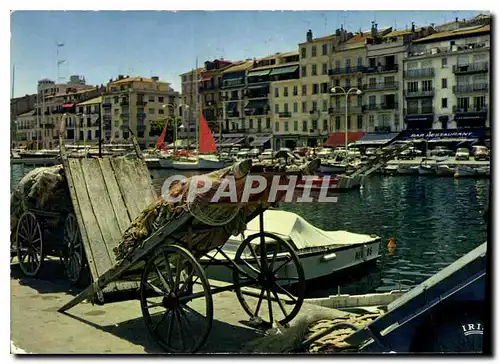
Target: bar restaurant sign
[{"x": 443, "y": 134}]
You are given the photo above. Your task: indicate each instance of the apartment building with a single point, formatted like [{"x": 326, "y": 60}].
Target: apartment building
[
  {"x": 18, "y": 106},
  {"x": 190, "y": 102},
  {"x": 383, "y": 78},
  {"x": 447, "y": 83},
  {"x": 88, "y": 120},
  {"x": 315, "y": 85},
  {"x": 133, "y": 103},
  {"x": 233, "y": 90},
  {"x": 25, "y": 129}
]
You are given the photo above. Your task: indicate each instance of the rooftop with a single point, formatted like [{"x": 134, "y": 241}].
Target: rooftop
[
  {"x": 240, "y": 66},
  {"x": 134, "y": 79},
  {"x": 95, "y": 100},
  {"x": 276, "y": 66},
  {"x": 28, "y": 113},
  {"x": 471, "y": 31},
  {"x": 198, "y": 70}
]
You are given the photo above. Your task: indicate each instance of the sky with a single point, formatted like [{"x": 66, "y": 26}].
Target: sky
[{"x": 102, "y": 44}]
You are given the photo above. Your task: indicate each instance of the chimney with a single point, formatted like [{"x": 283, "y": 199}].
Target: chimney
[
  {"x": 155, "y": 78},
  {"x": 337, "y": 32},
  {"x": 412, "y": 26},
  {"x": 374, "y": 30},
  {"x": 309, "y": 36},
  {"x": 120, "y": 77},
  {"x": 456, "y": 20}
]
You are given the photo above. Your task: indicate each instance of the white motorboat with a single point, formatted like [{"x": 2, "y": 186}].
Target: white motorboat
[
  {"x": 483, "y": 171},
  {"x": 407, "y": 169},
  {"x": 444, "y": 171},
  {"x": 390, "y": 169},
  {"x": 465, "y": 171},
  {"x": 210, "y": 162},
  {"x": 186, "y": 164},
  {"x": 321, "y": 253},
  {"x": 332, "y": 167},
  {"x": 425, "y": 170}
]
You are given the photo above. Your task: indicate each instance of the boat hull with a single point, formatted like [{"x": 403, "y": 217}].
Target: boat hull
[
  {"x": 210, "y": 164},
  {"x": 328, "y": 168},
  {"x": 407, "y": 170},
  {"x": 166, "y": 163},
  {"x": 444, "y": 171},
  {"x": 185, "y": 165},
  {"x": 425, "y": 171}
]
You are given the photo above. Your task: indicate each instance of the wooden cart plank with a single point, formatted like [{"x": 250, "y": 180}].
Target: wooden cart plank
[
  {"x": 136, "y": 197},
  {"x": 117, "y": 202},
  {"x": 95, "y": 243},
  {"x": 102, "y": 207},
  {"x": 114, "y": 273}
]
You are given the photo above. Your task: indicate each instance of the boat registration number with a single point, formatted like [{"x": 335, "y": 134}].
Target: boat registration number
[{"x": 363, "y": 253}]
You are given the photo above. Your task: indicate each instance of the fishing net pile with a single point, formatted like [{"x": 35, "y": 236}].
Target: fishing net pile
[
  {"x": 44, "y": 189},
  {"x": 228, "y": 217}
]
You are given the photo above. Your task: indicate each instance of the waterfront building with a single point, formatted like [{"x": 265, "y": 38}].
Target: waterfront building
[
  {"x": 133, "y": 103},
  {"x": 447, "y": 83},
  {"x": 25, "y": 128},
  {"x": 18, "y": 106},
  {"x": 88, "y": 117},
  {"x": 190, "y": 102},
  {"x": 383, "y": 78}
]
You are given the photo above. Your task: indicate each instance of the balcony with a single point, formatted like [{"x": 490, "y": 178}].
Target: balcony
[
  {"x": 141, "y": 127},
  {"x": 124, "y": 103},
  {"x": 206, "y": 88},
  {"x": 256, "y": 112},
  {"x": 286, "y": 114},
  {"x": 346, "y": 70},
  {"x": 419, "y": 73},
  {"x": 233, "y": 114},
  {"x": 141, "y": 115},
  {"x": 124, "y": 126},
  {"x": 381, "y": 107},
  {"x": 470, "y": 109},
  {"x": 452, "y": 49},
  {"x": 341, "y": 109},
  {"x": 478, "y": 67},
  {"x": 470, "y": 88},
  {"x": 419, "y": 93},
  {"x": 380, "y": 86},
  {"x": 381, "y": 69},
  {"x": 141, "y": 103},
  {"x": 419, "y": 111}
]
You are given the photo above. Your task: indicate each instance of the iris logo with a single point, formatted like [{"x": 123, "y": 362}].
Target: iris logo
[{"x": 472, "y": 329}]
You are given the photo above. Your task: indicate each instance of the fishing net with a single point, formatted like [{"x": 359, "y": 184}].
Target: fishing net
[{"x": 44, "y": 189}]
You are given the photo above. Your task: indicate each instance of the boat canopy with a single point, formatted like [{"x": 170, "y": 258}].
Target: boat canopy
[{"x": 302, "y": 234}]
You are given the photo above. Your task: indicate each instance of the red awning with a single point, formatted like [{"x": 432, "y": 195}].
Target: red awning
[
  {"x": 338, "y": 139},
  {"x": 71, "y": 104}
]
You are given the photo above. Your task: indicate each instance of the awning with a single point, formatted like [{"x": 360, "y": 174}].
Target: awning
[
  {"x": 376, "y": 138},
  {"x": 259, "y": 73},
  {"x": 70, "y": 104},
  {"x": 228, "y": 142},
  {"x": 284, "y": 70},
  {"x": 256, "y": 87},
  {"x": 256, "y": 104},
  {"x": 338, "y": 139},
  {"x": 260, "y": 141},
  {"x": 442, "y": 135}
]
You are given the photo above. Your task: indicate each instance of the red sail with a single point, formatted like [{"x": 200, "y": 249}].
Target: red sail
[
  {"x": 207, "y": 142},
  {"x": 159, "y": 142}
]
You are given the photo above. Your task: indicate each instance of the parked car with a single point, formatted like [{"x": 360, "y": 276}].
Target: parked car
[
  {"x": 243, "y": 153},
  {"x": 266, "y": 154},
  {"x": 254, "y": 153},
  {"x": 371, "y": 151},
  {"x": 481, "y": 153},
  {"x": 462, "y": 154},
  {"x": 441, "y": 151},
  {"x": 354, "y": 152}
]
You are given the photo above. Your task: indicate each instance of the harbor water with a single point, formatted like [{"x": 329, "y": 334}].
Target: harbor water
[{"x": 434, "y": 221}]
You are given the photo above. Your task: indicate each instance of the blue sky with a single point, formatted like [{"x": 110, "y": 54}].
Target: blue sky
[{"x": 103, "y": 44}]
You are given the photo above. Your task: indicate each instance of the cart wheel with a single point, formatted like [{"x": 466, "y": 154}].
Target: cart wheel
[
  {"x": 73, "y": 253},
  {"x": 280, "y": 268},
  {"x": 171, "y": 280},
  {"x": 29, "y": 244}
]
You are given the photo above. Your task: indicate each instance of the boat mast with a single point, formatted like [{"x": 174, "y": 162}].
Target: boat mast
[{"x": 197, "y": 120}]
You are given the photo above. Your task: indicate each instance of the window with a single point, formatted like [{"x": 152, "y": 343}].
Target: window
[
  {"x": 285, "y": 91},
  {"x": 324, "y": 48},
  {"x": 479, "y": 103},
  {"x": 303, "y": 52},
  {"x": 360, "y": 62},
  {"x": 324, "y": 88},
  {"x": 276, "y": 109},
  {"x": 151, "y": 111},
  {"x": 295, "y": 107},
  {"x": 349, "y": 122},
  {"x": 337, "y": 82},
  {"x": 337, "y": 122},
  {"x": 314, "y": 106},
  {"x": 151, "y": 99},
  {"x": 304, "y": 90},
  {"x": 360, "y": 122},
  {"x": 313, "y": 51},
  {"x": 303, "y": 71},
  {"x": 359, "y": 100},
  {"x": 89, "y": 135},
  {"x": 325, "y": 125},
  {"x": 268, "y": 123},
  {"x": 444, "y": 103},
  {"x": 250, "y": 123},
  {"x": 337, "y": 65},
  {"x": 348, "y": 64},
  {"x": 276, "y": 126},
  {"x": 313, "y": 70},
  {"x": 371, "y": 120},
  {"x": 372, "y": 101},
  {"x": 161, "y": 111},
  {"x": 348, "y": 84},
  {"x": 125, "y": 134},
  {"x": 285, "y": 107},
  {"x": 315, "y": 88},
  {"x": 116, "y": 111},
  {"x": 325, "y": 105},
  {"x": 161, "y": 98},
  {"x": 304, "y": 106},
  {"x": 295, "y": 125},
  {"x": 463, "y": 103},
  {"x": 81, "y": 135},
  {"x": 89, "y": 122},
  {"x": 286, "y": 125},
  {"x": 304, "y": 125},
  {"x": 315, "y": 125},
  {"x": 295, "y": 90},
  {"x": 413, "y": 86},
  {"x": 427, "y": 85},
  {"x": 276, "y": 92},
  {"x": 140, "y": 133}
]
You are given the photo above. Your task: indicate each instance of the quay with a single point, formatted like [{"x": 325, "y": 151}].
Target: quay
[{"x": 451, "y": 161}]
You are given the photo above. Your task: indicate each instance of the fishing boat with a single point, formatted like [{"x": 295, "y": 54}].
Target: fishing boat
[
  {"x": 210, "y": 162},
  {"x": 426, "y": 170},
  {"x": 444, "y": 171},
  {"x": 483, "y": 171},
  {"x": 391, "y": 169},
  {"x": 319, "y": 182},
  {"x": 407, "y": 169},
  {"x": 465, "y": 171},
  {"x": 322, "y": 253},
  {"x": 330, "y": 166}
]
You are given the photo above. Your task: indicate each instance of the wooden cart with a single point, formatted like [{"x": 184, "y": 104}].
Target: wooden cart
[{"x": 175, "y": 294}]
